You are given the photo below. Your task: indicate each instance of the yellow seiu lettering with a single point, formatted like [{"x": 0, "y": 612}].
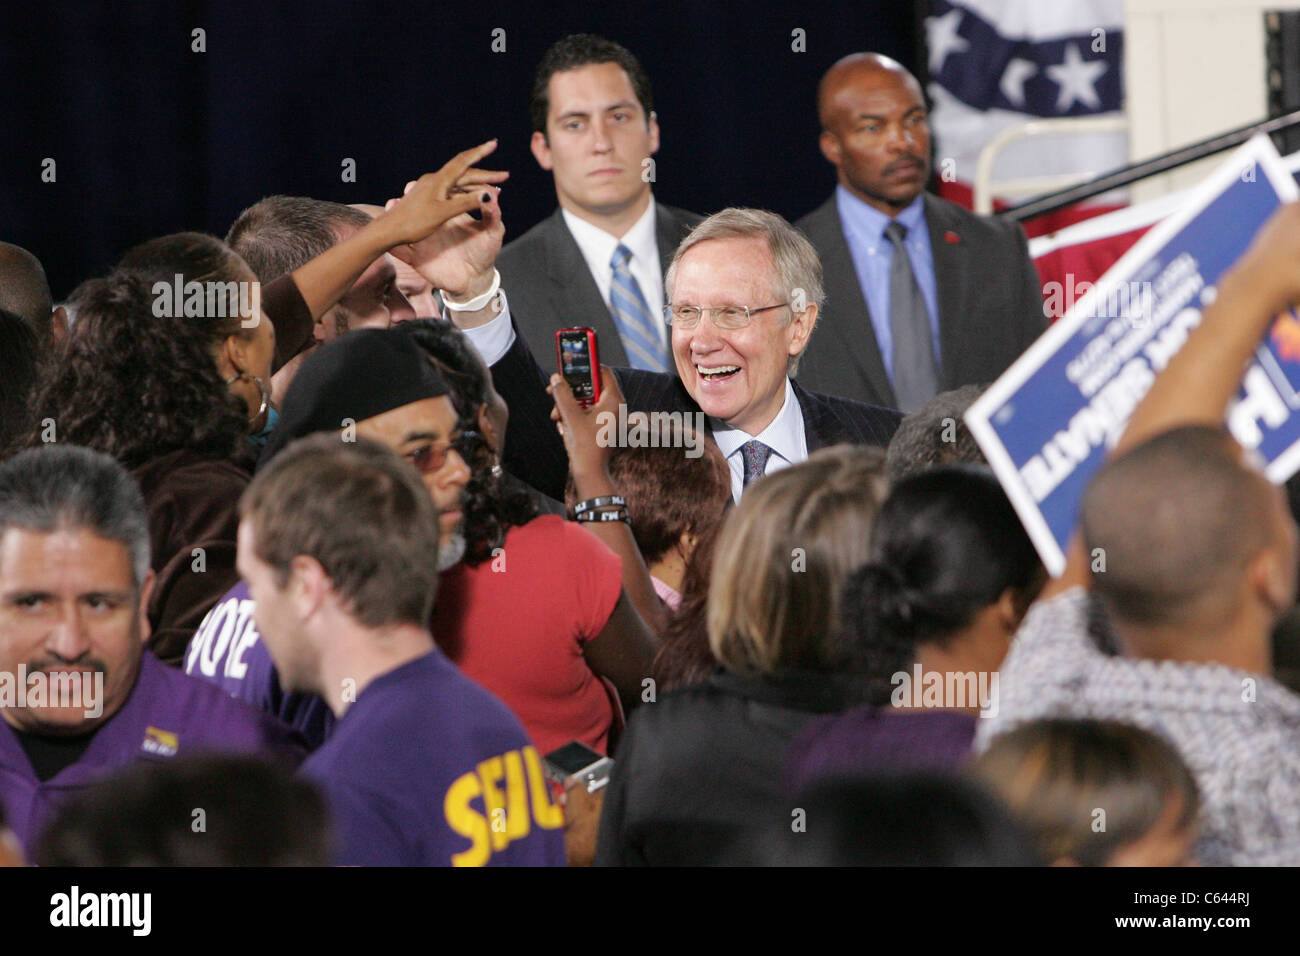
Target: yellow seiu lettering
[
  {"x": 517, "y": 818},
  {"x": 466, "y": 821},
  {"x": 494, "y": 801},
  {"x": 547, "y": 814}
]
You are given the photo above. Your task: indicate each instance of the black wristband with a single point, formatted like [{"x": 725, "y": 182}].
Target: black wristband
[
  {"x": 602, "y": 502},
  {"x": 617, "y": 515}
]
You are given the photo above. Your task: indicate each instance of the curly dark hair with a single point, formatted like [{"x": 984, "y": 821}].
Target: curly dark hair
[
  {"x": 19, "y": 349},
  {"x": 491, "y": 506},
  {"x": 134, "y": 385},
  {"x": 195, "y": 257}
]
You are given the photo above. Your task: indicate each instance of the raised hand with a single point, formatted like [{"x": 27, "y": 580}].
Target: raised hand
[
  {"x": 1270, "y": 266},
  {"x": 458, "y": 256},
  {"x": 434, "y": 198},
  {"x": 581, "y": 427}
]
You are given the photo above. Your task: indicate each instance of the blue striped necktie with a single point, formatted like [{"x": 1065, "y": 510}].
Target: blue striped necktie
[{"x": 636, "y": 326}]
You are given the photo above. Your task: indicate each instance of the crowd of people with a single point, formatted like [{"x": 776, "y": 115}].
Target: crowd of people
[{"x": 307, "y": 557}]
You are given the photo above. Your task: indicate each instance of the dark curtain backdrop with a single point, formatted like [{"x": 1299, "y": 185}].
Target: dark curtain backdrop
[{"x": 149, "y": 137}]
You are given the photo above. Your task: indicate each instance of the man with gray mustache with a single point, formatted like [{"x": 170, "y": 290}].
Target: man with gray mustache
[
  {"x": 74, "y": 584},
  {"x": 909, "y": 311}
]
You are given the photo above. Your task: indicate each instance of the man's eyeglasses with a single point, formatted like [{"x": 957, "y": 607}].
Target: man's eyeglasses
[
  {"x": 431, "y": 458},
  {"x": 728, "y": 317}
]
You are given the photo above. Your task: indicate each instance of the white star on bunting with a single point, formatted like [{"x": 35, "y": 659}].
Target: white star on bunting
[
  {"x": 1077, "y": 78},
  {"x": 942, "y": 38}
]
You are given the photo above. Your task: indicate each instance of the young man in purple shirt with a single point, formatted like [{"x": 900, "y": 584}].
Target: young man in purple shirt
[
  {"x": 423, "y": 766},
  {"x": 80, "y": 696}
]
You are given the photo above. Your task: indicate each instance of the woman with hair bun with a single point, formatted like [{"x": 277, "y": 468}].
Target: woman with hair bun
[{"x": 929, "y": 617}]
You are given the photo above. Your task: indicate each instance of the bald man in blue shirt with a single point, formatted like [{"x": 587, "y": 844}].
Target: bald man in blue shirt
[{"x": 921, "y": 295}]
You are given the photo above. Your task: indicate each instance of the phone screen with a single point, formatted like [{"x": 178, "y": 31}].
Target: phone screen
[{"x": 575, "y": 363}]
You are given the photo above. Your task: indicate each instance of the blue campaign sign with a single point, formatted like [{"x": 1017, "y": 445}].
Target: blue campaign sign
[{"x": 1048, "y": 422}]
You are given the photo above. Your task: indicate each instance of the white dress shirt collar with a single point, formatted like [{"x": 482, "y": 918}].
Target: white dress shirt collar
[
  {"x": 597, "y": 246},
  {"x": 785, "y": 436}
]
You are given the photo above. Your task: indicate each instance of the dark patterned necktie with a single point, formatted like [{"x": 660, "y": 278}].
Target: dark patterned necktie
[{"x": 756, "y": 455}]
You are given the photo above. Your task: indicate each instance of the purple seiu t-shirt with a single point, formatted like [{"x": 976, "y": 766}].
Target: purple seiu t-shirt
[
  {"x": 227, "y": 650},
  {"x": 426, "y": 768},
  {"x": 166, "y": 714}
]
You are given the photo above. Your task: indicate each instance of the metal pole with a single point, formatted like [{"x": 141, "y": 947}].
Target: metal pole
[{"x": 1148, "y": 167}]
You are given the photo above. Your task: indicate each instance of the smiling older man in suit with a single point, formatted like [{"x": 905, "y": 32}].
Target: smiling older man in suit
[
  {"x": 922, "y": 296},
  {"x": 599, "y": 259},
  {"x": 745, "y": 288}
]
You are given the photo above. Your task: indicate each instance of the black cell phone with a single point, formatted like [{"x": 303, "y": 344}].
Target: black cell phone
[
  {"x": 579, "y": 362},
  {"x": 574, "y": 763}
]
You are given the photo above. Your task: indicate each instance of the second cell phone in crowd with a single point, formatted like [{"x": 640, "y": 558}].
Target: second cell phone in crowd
[
  {"x": 575, "y": 763},
  {"x": 575, "y": 353}
]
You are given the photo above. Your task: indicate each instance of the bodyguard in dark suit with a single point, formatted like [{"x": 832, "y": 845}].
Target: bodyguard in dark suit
[
  {"x": 745, "y": 296},
  {"x": 922, "y": 295},
  {"x": 599, "y": 260}
]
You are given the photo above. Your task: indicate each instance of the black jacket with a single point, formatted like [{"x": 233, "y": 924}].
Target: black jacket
[{"x": 699, "y": 775}]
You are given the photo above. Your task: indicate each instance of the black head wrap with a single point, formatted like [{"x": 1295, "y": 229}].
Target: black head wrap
[{"x": 360, "y": 375}]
